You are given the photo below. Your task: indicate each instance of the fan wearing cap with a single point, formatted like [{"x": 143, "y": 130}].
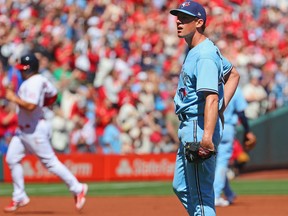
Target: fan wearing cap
[
  {"x": 34, "y": 134},
  {"x": 205, "y": 87}
]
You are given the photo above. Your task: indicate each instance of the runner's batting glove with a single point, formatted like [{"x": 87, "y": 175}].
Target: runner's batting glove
[{"x": 195, "y": 153}]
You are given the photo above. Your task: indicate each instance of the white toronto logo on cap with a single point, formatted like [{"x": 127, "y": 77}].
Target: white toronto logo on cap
[{"x": 185, "y": 4}]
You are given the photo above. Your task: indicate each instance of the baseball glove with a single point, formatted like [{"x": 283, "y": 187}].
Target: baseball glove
[
  {"x": 249, "y": 141},
  {"x": 195, "y": 153}
]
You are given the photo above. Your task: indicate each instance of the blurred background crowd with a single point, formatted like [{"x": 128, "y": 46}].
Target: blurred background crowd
[{"x": 116, "y": 65}]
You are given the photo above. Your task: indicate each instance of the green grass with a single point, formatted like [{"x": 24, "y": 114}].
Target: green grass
[
  {"x": 155, "y": 188},
  {"x": 260, "y": 187},
  {"x": 96, "y": 189}
]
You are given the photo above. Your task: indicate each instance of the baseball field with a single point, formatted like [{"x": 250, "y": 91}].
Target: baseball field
[{"x": 259, "y": 194}]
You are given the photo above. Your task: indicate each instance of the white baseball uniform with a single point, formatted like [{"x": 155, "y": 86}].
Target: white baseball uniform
[{"x": 34, "y": 136}]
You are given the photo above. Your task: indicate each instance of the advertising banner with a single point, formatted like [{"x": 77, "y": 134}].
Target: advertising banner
[{"x": 91, "y": 167}]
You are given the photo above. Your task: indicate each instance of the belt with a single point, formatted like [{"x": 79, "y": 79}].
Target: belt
[{"x": 185, "y": 116}]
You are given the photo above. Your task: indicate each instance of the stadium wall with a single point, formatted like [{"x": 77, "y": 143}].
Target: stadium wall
[
  {"x": 271, "y": 149},
  {"x": 1, "y": 168}
]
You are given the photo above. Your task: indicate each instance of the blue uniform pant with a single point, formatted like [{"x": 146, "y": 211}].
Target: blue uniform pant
[
  {"x": 225, "y": 150},
  {"x": 193, "y": 183}
]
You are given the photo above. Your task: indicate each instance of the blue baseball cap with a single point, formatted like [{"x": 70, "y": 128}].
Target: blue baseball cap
[{"x": 191, "y": 8}]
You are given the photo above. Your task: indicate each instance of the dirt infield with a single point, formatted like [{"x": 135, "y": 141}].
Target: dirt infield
[
  {"x": 148, "y": 206},
  {"x": 155, "y": 206}
]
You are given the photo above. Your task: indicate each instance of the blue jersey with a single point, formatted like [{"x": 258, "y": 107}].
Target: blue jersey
[
  {"x": 237, "y": 104},
  {"x": 227, "y": 66},
  {"x": 203, "y": 70}
]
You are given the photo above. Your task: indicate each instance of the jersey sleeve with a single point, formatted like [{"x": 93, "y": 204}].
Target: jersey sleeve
[
  {"x": 31, "y": 95},
  {"x": 207, "y": 76},
  {"x": 50, "y": 89},
  {"x": 240, "y": 102},
  {"x": 227, "y": 66}
]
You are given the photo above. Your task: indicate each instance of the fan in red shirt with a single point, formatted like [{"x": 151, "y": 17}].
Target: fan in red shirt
[{"x": 8, "y": 124}]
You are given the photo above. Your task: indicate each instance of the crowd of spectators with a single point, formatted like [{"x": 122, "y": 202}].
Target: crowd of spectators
[{"x": 116, "y": 65}]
